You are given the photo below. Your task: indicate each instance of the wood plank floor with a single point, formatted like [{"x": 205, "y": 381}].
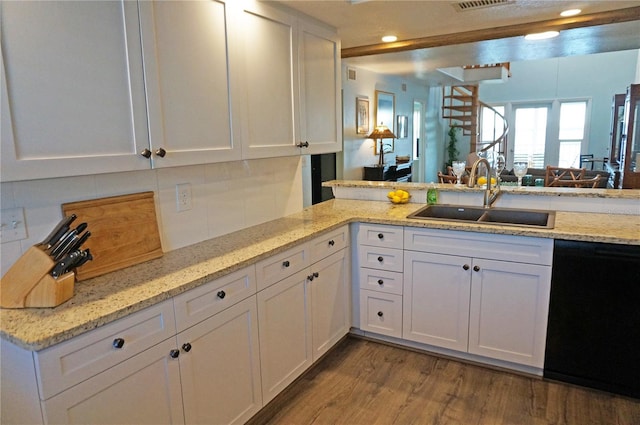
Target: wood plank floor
[{"x": 364, "y": 382}]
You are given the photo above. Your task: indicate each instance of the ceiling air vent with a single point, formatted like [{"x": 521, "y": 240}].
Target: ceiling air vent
[{"x": 464, "y": 6}]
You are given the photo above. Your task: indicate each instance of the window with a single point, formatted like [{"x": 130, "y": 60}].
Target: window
[
  {"x": 492, "y": 124},
  {"x": 530, "y": 135},
  {"x": 571, "y": 134}
]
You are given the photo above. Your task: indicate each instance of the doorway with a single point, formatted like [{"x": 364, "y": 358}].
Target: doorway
[{"x": 323, "y": 168}]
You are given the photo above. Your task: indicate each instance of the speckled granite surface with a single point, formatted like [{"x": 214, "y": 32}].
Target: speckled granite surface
[
  {"x": 528, "y": 191},
  {"x": 106, "y": 298}
]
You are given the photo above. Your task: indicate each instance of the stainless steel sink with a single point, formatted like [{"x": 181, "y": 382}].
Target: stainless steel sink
[{"x": 501, "y": 216}]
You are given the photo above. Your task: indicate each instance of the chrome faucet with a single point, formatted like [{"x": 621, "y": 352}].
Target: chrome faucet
[{"x": 489, "y": 195}]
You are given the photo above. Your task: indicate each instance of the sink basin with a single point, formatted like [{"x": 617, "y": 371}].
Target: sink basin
[{"x": 501, "y": 216}]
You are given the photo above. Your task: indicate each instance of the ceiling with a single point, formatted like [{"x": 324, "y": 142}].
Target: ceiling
[{"x": 362, "y": 23}]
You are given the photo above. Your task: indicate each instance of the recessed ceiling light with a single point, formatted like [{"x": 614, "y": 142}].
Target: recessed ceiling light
[
  {"x": 541, "y": 35},
  {"x": 389, "y": 38},
  {"x": 570, "y": 12}
]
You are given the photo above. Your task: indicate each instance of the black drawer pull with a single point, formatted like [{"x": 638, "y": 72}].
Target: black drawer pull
[
  {"x": 186, "y": 347},
  {"x": 380, "y": 259},
  {"x": 380, "y": 236},
  {"x": 118, "y": 343},
  {"x": 380, "y": 281},
  {"x": 380, "y": 314},
  {"x": 221, "y": 295},
  {"x": 286, "y": 263},
  {"x": 331, "y": 242}
]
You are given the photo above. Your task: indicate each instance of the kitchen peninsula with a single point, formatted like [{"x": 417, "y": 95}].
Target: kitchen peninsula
[{"x": 107, "y": 300}]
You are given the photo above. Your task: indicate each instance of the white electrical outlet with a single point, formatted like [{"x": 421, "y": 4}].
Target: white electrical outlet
[
  {"x": 12, "y": 226},
  {"x": 183, "y": 197}
]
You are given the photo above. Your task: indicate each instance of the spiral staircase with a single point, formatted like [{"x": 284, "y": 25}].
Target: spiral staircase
[{"x": 462, "y": 108}]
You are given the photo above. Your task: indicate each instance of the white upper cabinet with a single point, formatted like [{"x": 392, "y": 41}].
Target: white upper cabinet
[
  {"x": 291, "y": 85},
  {"x": 72, "y": 89},
  {"x": 190, "y": 81},
  {"x": 320, "y": 84}
]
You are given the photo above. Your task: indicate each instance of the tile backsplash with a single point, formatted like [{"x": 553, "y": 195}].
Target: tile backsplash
[{"x": 225, "y": 197}]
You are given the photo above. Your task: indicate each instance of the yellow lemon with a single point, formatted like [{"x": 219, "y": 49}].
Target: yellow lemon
[
  {"x": 396, "y": 199},
  {"x": 391, "y": 194},
  {"x": 493, "y": 180},
  {"x": 405, "y": 195},
  {"x": 482, "y": 180}
]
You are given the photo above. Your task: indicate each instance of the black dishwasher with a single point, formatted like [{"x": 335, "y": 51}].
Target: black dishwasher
[{"x": 593, "y": 336}]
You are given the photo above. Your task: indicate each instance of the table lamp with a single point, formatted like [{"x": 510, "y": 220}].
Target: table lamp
[{"x": 381, "y": 132}]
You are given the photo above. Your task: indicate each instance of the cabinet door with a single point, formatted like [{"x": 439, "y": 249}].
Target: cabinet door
[
  {"x": 285, "y": 333},
  {"x": 320, "y": 103},
  {"x": 142, "y": 390},
  {"x": 270, "y": 82},
  {"x": 381, "y": 313},
  {"x": 508, "y": 313},
  {"x": 73, "y": 99},
  {"x": 220, "y": 367},
  {"x": 330, "y": 301},
  {"x": 187, "y": 73},
  {"x": 436, "y": 299}
]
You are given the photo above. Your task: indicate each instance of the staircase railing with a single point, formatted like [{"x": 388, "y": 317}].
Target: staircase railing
[{"x": 501, "y": 140}]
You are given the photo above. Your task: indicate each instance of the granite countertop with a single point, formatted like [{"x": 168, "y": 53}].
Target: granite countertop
[
  {"x": 507, "y": 189},
  {"x": 109, "y": 297}
]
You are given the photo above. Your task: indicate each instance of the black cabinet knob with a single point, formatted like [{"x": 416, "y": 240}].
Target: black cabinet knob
[
  {"x": 380, "y": 259},
  {"x": 161, "y": 152},
  {"x": 331, "y": 242},
  {"x": 310, "y": 278},
  {"x": 466, "y": 267},
  {"x": 146, "y": 153},
  {"x": 221, "y": 295},
  {"x": 380, "y": 236},
  {"x": 316, "y": 274},
  {"x": 186, "y": 347},
  {"x": 286, "y": 263},
  {"x": 380, "y": 314},
  {"x": 380, "y": 281},
  {"x": 303, "y": 144},
  {"x": 174, "y": 353},
  {"x": 118, "y": 343},
  {"x": 476, "y": 268}
]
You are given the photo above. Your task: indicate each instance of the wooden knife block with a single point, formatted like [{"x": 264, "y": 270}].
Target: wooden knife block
[{"x": 28, "y": 283}]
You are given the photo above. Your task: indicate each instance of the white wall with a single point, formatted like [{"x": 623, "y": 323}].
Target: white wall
[
  {"x": 358, "y": 150},
  {"x": 598, "y": 77},
  {"x": 226, "y": 197}
]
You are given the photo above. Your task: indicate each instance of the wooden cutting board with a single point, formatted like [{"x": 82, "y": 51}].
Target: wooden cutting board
[{"x": 124, "y": 232}]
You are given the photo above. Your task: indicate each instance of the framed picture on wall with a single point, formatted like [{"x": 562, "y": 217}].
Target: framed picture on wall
[
  {"x": 402, "y": 126},
  {"x": 362, "y": 115}
]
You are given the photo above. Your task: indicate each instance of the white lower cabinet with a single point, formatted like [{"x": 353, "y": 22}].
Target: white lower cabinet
[
  {"x": 487, "y": 307},
  {"x": 436, "y": 299},
  {"x": 144, "y": 389},
  {"x": 220, "y": 367},
  {"x": 303, "y": 315},
  {"x": 284, "y": 319},
  {"x": 508, "y": 311}
]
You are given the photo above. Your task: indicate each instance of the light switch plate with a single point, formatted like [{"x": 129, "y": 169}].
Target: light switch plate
[{"x": 12, "y": 225}]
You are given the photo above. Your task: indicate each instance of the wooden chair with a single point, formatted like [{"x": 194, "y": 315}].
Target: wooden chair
[
  {"x": 588, "y": 183},
  {"x": 556, "y": 176},
  {"x": 446, "y": 178}
]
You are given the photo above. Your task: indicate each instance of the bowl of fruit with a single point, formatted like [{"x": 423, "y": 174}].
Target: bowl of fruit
[{"x": 399, "y": 196}]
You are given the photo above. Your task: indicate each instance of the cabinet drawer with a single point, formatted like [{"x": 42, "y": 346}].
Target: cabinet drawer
[
  {"x": 381, "y": 281},
  {"x": 381, "y": 313},
  {"x": 380, "y": 258},
  {"x": 380, "y": 235},
  {"x": 204, "y": 301},
  {"x": 521, "y": 249},
  {"x": 66, "y": 364},
  {"x": 279, "y": 266},
  {"x": 325, "y": 245}
]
